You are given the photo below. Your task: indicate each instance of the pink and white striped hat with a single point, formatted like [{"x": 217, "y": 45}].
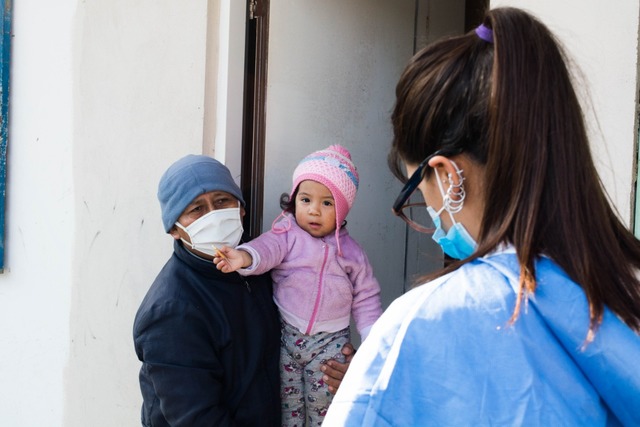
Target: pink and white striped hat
[{"x": 333, "y": 168}]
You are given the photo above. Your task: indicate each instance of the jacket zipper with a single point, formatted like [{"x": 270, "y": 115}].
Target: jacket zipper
[{"x": 319, "y": 295}]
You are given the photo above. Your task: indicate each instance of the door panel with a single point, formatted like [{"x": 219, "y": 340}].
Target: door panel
[{"x": 332, "y": 70}]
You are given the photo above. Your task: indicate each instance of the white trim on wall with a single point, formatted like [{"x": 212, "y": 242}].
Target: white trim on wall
[{"x": 228, "y": 137}]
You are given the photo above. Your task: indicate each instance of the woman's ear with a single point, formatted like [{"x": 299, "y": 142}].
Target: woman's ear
[{"x": 446, "y": 169}]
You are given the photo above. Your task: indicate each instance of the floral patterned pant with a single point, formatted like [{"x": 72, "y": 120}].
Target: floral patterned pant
[{"x": 304, "y": 395}]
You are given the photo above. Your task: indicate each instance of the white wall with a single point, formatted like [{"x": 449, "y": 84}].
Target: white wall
[
  {"x": 104, "y": 96},
  {"x": 35, "y": 288},
  {"x": 603, "y": 41},
  {"x": 229, "y": 89},
  {"x": 138, "y": 105}
]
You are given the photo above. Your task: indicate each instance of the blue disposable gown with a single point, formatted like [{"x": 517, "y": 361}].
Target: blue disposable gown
[{"x": 444, "y": 354}]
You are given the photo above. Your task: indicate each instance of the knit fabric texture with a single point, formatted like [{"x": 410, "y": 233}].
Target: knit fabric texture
[
  {"x": 188, "y": 178},
  {"x": 333, "y": 168}
]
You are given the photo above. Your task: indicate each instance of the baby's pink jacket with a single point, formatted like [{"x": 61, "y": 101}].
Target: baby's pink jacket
[{"x": 315, "y": 289}]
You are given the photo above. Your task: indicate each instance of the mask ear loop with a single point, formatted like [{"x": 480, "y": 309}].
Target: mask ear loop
[
  {"x": 453, "y": 199},
  {"x": 191, "y": 245}
]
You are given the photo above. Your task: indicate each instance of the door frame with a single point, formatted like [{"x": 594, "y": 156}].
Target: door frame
[{"x": 254, "y": 113}]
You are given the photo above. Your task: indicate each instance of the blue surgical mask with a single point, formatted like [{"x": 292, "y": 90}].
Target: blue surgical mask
[{"x": 457, "y": 242}]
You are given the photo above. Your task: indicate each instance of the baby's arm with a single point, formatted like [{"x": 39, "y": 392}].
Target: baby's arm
[
  {"x": 367, "y": 305},
  {"x": 256, "y": 257},
  {"x": 228, "y": 259}
]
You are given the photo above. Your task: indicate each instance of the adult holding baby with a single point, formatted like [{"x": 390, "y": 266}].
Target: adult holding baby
[{"x": 208, "y": 341}]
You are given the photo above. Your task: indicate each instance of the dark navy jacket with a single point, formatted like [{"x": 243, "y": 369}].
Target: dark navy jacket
[{"x": 209, "y": 346}]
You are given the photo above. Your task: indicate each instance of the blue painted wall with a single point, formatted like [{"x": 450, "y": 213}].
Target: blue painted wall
[{"x": 5, "y": 49}]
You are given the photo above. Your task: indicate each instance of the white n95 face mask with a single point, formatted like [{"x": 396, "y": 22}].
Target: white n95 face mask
[{"x": 220, "y": 227}]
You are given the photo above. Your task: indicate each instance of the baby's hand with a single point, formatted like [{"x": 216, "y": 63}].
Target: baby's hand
[{"x": 228, "y": 259}]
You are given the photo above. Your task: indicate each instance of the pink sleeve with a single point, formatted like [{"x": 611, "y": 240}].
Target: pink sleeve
[
  {"x": 267, "y": 250},
  {"x": 366, "y": 306}
]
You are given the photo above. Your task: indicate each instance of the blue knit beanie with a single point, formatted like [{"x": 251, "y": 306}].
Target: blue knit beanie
[{"x": 188, "y": 178}]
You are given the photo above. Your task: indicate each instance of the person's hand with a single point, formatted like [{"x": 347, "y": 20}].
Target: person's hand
[
  {"x": 228, "y": 259},
  {"x": 334, "y": 371}
]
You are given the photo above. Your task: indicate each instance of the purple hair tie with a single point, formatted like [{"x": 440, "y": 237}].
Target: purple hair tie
[{"x": 485, "y": 33}]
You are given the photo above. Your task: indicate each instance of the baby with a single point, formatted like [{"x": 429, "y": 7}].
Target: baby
[{"x": 321, "y": 276}]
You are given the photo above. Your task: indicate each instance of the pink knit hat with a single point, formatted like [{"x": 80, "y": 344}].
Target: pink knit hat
[{"x": 333, "y": 168}]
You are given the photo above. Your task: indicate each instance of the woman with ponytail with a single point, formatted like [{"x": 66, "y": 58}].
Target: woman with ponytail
[{"x": 537, "y": 319}]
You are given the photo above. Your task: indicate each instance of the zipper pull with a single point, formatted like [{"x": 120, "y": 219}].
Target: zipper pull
[{"x": 247, "y": 285}]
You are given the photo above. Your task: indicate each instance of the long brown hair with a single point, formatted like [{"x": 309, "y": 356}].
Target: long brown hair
[{"x": 510, "y": 105}]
